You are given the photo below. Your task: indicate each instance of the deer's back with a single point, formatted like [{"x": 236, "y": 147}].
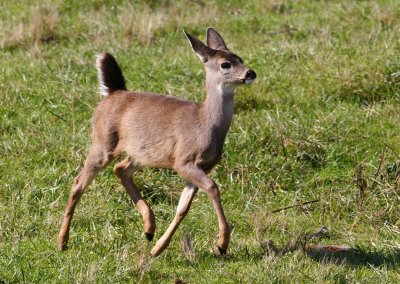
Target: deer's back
[{"x": 154, "y": 130}]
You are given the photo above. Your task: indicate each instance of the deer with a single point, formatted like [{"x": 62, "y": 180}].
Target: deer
[{"x": 159, "y": 131}]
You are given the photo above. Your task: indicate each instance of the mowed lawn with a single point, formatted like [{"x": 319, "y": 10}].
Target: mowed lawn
[{"x": 318, "y": 132}]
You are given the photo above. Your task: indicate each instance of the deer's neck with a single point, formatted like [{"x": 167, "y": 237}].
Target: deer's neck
[{"x": 218, "y": 108}]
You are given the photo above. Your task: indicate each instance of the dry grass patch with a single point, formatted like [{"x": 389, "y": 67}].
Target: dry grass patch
[
  {"x": 145, "y": 24},
  {"x": 39, "y": 28}
]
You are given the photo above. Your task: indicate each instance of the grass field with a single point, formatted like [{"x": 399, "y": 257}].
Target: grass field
[{"x": 321, "y": 123}]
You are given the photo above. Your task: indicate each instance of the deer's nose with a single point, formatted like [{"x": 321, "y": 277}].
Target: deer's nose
[{"x": 251, "y": 74}]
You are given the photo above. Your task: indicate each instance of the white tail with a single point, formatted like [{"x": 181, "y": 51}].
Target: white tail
[
  {"x": 109, "y": 74},
  {"x": 162, "y": 131}
]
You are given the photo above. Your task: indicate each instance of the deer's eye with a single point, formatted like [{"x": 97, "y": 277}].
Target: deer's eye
[{"x": 226, "y": 65}]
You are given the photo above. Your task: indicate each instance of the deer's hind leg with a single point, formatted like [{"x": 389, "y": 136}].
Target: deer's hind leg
[
  {"x": 97, "y": 159},
  {"x": 123, "y": 172}
]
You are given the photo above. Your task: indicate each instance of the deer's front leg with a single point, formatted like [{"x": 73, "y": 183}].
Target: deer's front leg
[
  {"x": 199, "y": 178},
  {"x": 183, "y": 207}
]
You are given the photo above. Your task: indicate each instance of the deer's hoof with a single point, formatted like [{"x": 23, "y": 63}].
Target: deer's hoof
[
  {"x": 149, "y": 236},
  {"x": 222, "y": 251},
  {"x": 62, "y": 246},
  {"x": 155, "y": 251}
]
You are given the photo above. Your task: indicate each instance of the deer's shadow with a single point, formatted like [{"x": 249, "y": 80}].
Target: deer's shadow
[
  {"x": 355, "y": 257},
  {"x": 358, "y": 257}
]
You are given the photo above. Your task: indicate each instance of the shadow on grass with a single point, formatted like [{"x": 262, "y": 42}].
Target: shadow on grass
[
  {"x": 355, "y": 257},
  {"x": 242, "y": 255},
  {"x": 358, "y": 257}
]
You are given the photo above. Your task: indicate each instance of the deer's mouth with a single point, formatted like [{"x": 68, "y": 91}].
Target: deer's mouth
[
  {"x": 249, "y": 78},
  {"x": 247, "y": 81}
]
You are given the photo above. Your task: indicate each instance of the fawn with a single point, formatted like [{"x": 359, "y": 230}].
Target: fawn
[{"x": 165, "y": 132}]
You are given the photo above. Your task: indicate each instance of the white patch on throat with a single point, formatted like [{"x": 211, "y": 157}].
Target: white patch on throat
[{"x": 226, "y": 89}]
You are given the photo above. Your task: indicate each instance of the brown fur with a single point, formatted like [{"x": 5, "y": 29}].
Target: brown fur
[{"x": 165, "y": 132}]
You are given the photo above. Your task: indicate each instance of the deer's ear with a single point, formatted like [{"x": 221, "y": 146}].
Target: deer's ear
[
  {"x": 202, "y": 50},
  {"x": 215, "y": 40}
]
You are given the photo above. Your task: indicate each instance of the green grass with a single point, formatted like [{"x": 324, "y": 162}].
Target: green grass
[{"x": 326, "y": 100}]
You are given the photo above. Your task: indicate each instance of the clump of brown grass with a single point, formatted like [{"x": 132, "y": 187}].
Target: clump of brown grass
[
  {"x": 261, "y": 223},
  {"x": 187, "y": 248},
  {"x": 16, "y": 36},
  {"x": 141, "y": 24},
  {"x": 360, "y": 180},
  {"x": 40, "y": 28},
  {"x": 388, "y": 18},
  {"x": 42, "y": 25},
  {"x": 143, "y": 259},
  {"x": 145, "y": 24}
]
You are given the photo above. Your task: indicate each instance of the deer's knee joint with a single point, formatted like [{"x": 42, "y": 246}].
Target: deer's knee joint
[
  {"x": 76, "y": 193},
  {"x": 124, "y": 169},
  {"x": 213, "y": 190},
  {"x": 118, "y": 171}
]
